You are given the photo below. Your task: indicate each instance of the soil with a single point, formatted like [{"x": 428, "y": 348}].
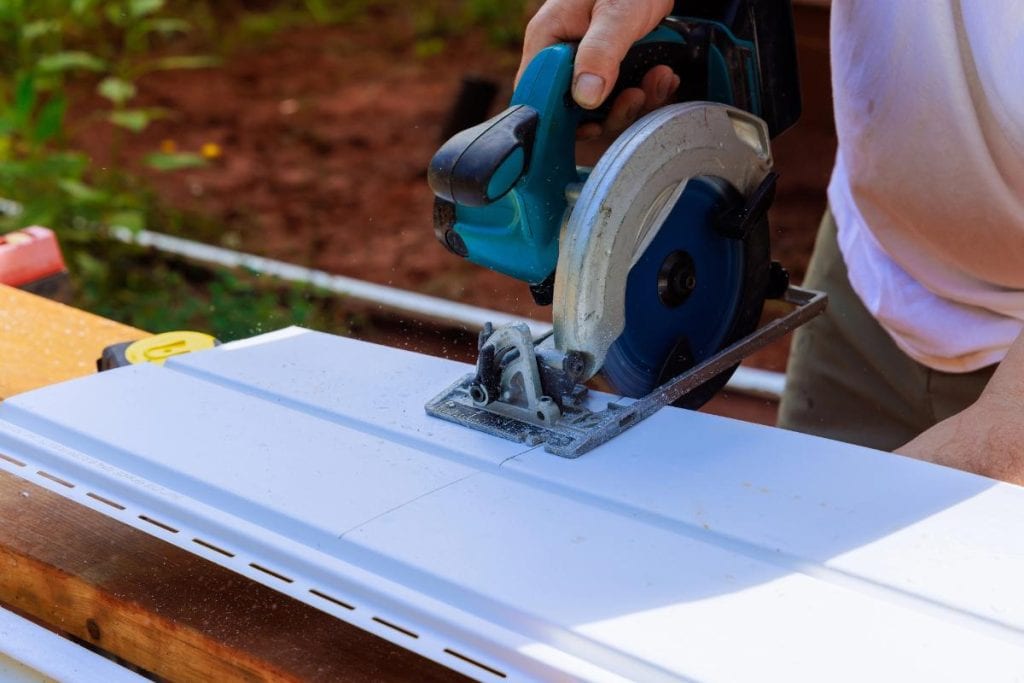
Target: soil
[{"x": 325, "y": 134}]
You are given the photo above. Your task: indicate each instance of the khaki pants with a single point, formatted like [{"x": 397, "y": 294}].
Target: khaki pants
[{"x": 848, "y": 380}]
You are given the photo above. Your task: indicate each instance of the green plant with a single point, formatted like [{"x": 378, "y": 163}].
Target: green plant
[
  {"x": 159, "y": 294},
  {"x": 437, "y": 20},
  {"x": 504, "y": 20},
  {"x": 44, "y": 44},
  {"x": 140, "y": 25},
  {"x": 51, "y": 49}
]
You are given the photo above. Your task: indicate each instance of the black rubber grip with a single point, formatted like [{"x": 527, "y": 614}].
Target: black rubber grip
[
  {"x": 462, "y": 170},
  {"x": 688, "y": 61}
]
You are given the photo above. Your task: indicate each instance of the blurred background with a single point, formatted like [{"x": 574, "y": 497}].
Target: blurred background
[{"x": 294, "y": 129}]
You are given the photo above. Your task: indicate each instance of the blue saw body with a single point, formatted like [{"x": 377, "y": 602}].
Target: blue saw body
[
  {"x": 512, "y": 223},
  {"x": 502, "y": 187}
]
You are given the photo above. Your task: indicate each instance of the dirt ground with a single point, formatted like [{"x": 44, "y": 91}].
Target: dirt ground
[{"x": 326, "y": 134}]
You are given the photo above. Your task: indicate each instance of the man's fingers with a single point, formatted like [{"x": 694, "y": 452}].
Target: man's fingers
[
  {"x": 599, "y": 55},
  {"x": 589, "y": 131},
  {"x": 625, "y": 110},
  {"x": 656, "y": 90},
  {"x": 607, "y": 27},
  {"x": 659, "y": 84},
  {"x": 614, "y": 26},
  {"x": 555, "y": 22}
]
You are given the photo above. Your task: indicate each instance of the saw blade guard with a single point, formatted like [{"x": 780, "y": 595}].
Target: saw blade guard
[{"x": 628, "y": 198}]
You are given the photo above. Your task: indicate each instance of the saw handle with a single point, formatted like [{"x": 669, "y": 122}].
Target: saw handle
[
  {"x": 642, "y": 57},
  {"x": 482, "y": 163}
]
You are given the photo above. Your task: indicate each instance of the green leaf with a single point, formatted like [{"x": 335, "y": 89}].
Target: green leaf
[
  {"x": 166, "y": 26},
  {"x": 174, "y": 162},
  {"x": 81, "y": 192},
  {"x": 14, "y": 171},
  {"x": 181, "y": 62},
  {"x": 319, "y": 10},
  {"x": 82, "y": 6},
  {"x": 41, "y": 213},
  {"x": 134, "y": 120},
  {"x": 8, "y": 123},
  {"x": 116, "y": 90},
  {"x": 142, "y": 8},
  {"x": 51, "y": 119},
  {"x": 63, "y": 164},
  {"x": 133, "y": 220},
  {"x": 115, "y": 15},
  {"x": 35, "y": 29},
  {"x": 67, "y": 61},
  {"x": 24, "y": 98},
  {"x": 91, "y": 266}
]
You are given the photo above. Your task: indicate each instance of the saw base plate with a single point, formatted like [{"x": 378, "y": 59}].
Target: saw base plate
[
  {"x": 566, "y": 436},
  {"x": 579, "y": 429}
]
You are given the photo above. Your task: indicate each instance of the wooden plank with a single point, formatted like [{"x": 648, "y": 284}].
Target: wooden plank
[
  {"x": 43, "y": 342},
  {"x": 135, "y": 596},
  {"x": 170, "y": 612}
]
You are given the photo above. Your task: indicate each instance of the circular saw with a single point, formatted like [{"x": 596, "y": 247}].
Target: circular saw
[{"x": 656, "y": 260}]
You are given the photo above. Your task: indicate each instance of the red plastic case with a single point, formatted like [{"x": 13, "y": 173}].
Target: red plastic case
[{"x": 28, "y": 256}]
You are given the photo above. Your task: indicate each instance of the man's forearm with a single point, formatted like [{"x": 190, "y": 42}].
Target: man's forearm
[{"x": 988, "y": 437}]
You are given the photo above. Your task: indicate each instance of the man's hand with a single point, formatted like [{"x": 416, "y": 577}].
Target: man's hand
[
  {"x": 988, "y": 437},
  {"x": 606, "y": 29}
]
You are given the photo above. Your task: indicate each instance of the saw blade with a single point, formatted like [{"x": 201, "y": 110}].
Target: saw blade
[
  {"x": 680, "y": 294},
  {"x": 643, "y": 279}
]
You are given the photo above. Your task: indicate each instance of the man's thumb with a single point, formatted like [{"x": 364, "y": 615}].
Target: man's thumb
[{"x": 614, "y": 27}]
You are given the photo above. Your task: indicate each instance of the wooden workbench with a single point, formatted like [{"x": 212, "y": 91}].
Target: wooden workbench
[{"x": 132, "y": 595}]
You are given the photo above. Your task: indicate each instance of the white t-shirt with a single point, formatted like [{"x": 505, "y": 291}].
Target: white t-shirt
[{"x": 928, "y": 188}]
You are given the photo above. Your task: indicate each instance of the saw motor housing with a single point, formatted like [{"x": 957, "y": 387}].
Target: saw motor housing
[{"x": 504, "y": 187}]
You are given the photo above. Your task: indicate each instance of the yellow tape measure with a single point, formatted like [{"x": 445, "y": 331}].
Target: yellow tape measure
[
  {"x": 156, "y": 349},
  {"x": 160, "y": 347}
]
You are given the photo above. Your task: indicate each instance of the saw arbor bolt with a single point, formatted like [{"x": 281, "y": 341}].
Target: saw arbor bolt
[{"x": 677, "y": 279}]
